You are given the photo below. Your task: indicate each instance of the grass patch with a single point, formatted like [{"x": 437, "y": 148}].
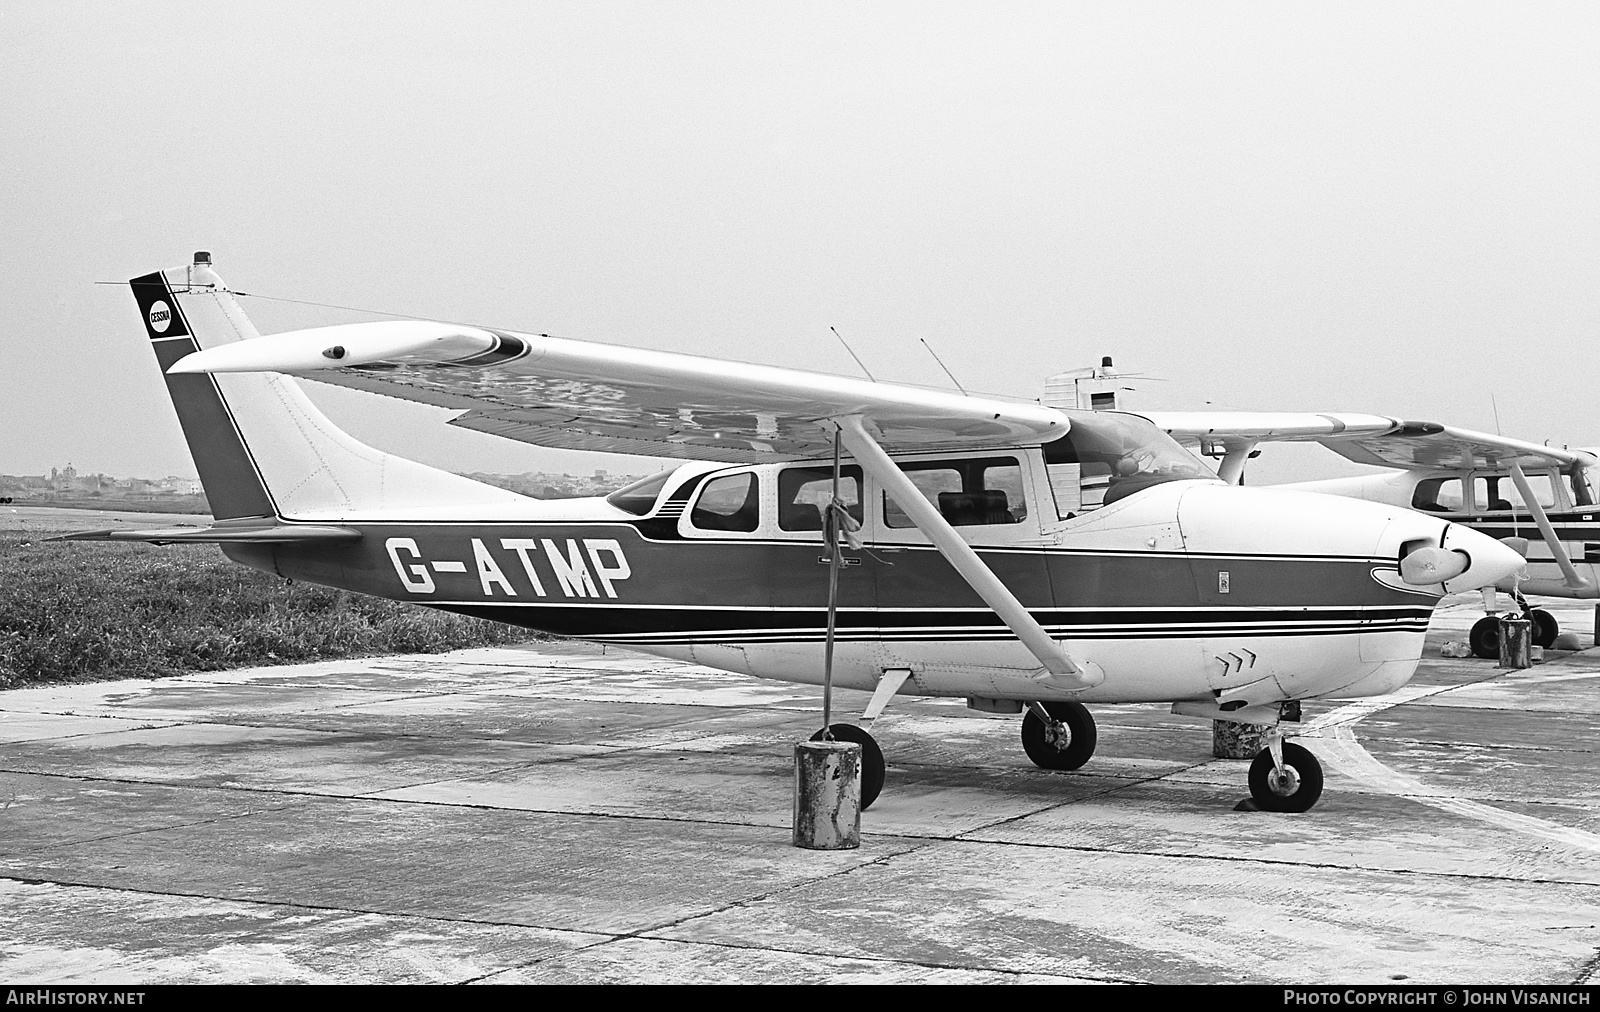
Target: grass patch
[
  {"x": 81, "y": 611},
  {"x": 164, "y": 504}
]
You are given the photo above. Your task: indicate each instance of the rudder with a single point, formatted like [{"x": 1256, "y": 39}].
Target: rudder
[{"x": 233, "y": 484}]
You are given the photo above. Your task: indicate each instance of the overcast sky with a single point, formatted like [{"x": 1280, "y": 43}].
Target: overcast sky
[{"x": 1366, "y": 207}]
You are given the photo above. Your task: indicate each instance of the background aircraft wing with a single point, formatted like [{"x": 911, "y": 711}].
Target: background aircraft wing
[
  {"x": 1449, "y": 449},
  {"x": 579, "y": 395},
  {"x": 1365, "y": 439}
]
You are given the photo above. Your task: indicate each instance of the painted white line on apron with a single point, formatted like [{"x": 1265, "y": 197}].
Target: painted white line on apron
[
  {"x": 1364, "y": 708},
  {"x": 1339, "y": 746}
]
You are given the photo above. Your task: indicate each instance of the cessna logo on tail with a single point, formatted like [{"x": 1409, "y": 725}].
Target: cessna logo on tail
[{"x": 160, "y": 317}]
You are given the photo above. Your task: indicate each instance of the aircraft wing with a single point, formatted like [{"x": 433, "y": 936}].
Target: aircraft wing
[
  {"x": 1365, "y": 439},
  {"x": 578, "y": 395}
]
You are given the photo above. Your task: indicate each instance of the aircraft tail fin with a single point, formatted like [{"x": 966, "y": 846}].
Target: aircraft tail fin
[{"x": 261, "y": 447}]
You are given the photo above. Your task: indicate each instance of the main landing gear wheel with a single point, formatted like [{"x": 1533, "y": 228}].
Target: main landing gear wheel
[
  {"x": 871, "y": 759},
  {"x": 1485, "y": 638},
  {"x": 1296, "y": 789},
  {"x": 1065, "y": 743},
  {"x": 1545, "y": 627}
]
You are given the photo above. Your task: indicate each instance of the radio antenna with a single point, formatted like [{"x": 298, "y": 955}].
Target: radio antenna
[
  {"x": 1493, "y": 404},
  {"x": 946, "y": 368},
  {"x": 853, "y": 354}
]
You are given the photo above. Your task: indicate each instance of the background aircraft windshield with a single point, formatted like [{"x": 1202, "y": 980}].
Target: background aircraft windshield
[{"x": 1130, "y": 452}]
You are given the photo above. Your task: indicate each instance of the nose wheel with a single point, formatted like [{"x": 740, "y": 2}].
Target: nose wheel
[
  {"x": 872, "y": 766},
  {"x": 1058, "y": 736},
  {"x": 1545, "y": 627},
  {"x": 1292, "y": 786},
  {"x": 1485, "y": 637}
]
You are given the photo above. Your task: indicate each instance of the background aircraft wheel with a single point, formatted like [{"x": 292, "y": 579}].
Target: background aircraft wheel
[
  {"x": 1064, "y": 748},
  {"x": 1485, "y": 638},
  {"x": 1545, "y": 627},
  {"x": 871, "y": 759},
  {"x": 1296, "y": 790}
]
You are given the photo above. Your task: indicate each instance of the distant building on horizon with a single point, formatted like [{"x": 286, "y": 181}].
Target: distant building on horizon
[{"x": 67, "y": 483}]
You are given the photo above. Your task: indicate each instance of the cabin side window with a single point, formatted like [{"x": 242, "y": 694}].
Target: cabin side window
[
  {"x": 1582, "y": 487},
  {"x": 1438, "y": 495},
  {"x": 803, "y": 494},
  {"x": 967, "y": 493},
  {"x": 1077, "y": 488},
  {"x": 1499, "y": 493},
  {"x": 729, "y": 503},
  {"x": 1570, "y": 489},
  {"x": 1066, "y": 487}
]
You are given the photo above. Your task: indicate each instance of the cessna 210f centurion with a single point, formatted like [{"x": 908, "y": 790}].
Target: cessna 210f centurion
[{"x": 974, "y": 568}]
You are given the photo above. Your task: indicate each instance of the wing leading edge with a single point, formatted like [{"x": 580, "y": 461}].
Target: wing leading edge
[{"x": 558, "y": 392}]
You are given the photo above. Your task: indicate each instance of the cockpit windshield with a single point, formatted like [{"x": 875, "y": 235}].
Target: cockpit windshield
[{"x": 1121, "y": 454}]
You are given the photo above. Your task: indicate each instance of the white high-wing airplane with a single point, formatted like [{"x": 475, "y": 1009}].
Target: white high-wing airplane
[{"x": 975, "y": 567}]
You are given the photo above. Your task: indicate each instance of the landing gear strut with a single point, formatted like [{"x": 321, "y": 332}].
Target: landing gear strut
[
  {"x": 872, "y": 766},
  {"x": 1288, "y": 782},
  {"x": 1058, "y": 736}
]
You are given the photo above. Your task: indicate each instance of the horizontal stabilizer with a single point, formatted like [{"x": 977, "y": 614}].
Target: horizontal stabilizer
[{"x": 229, "y": 534}]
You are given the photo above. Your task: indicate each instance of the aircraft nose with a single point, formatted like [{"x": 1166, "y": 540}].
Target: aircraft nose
[
  {"x": 1430, "y": 553},
  {"x": 1492, "y": 562}
]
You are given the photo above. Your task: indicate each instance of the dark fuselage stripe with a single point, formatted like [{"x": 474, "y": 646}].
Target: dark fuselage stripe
[{"x": 687, "y": 625}]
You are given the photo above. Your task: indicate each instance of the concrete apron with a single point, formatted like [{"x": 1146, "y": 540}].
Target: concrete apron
[{"x": 556, "y": 814}]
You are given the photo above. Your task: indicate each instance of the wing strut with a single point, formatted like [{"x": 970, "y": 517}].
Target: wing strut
[
  {"x": 1568, "y": 570},
  {"x": 835, "y": 552},
  {"x": 1062, "y": 670}
]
